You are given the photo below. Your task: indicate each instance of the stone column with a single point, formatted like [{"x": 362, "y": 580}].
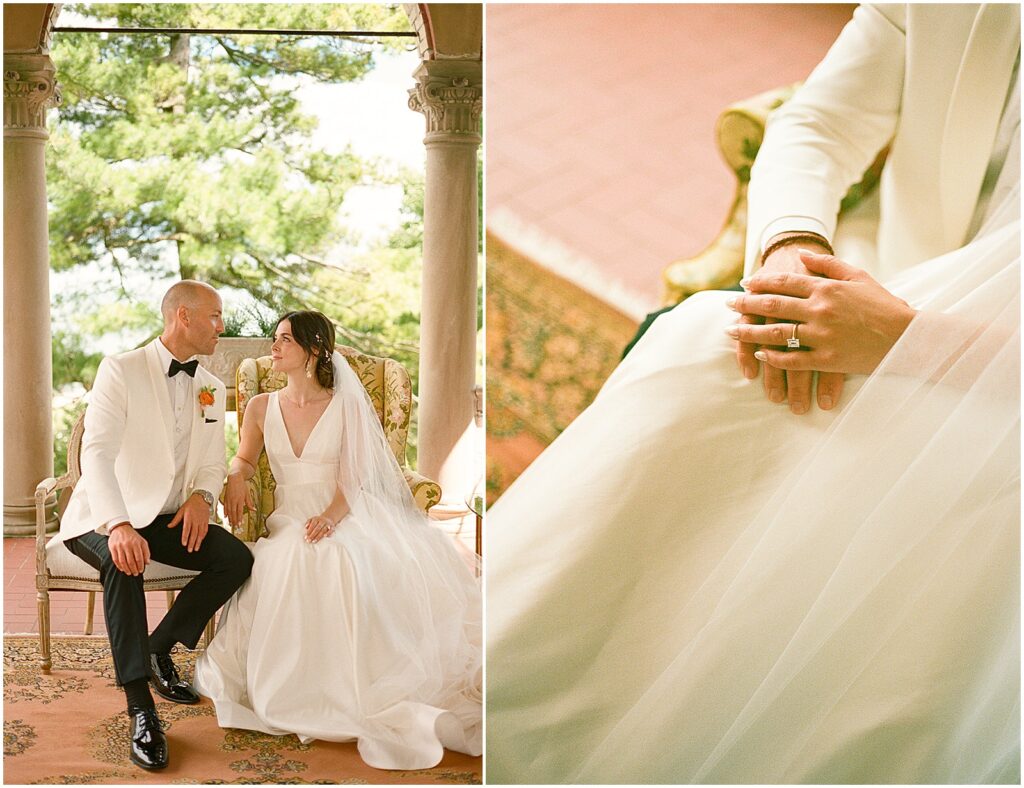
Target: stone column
[
  {"x": 449, "y": 93},
  {"x": 30, "y": 86}
]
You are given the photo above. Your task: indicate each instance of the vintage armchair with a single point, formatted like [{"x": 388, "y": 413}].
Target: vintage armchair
[
  {"x": 57, "y": 569},
  {"x": 740, "y": 131},
  {"x": 390, "y": 390}
]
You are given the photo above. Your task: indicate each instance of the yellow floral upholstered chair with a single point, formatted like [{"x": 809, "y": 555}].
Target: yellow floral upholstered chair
[
  {"x": 390, "y": 390},
  {"x": 740, "y": 131}
]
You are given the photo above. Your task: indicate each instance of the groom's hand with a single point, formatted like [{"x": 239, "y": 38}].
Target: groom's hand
[
  {"x": 195, "y": 514},
  {"x": 128, "y": 549}
]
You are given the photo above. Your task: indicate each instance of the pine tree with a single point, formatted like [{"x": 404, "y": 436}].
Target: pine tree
[{"x": 189, "y": 156}]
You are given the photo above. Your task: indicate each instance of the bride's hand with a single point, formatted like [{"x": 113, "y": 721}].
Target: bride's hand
[
  {"x": 845, "y": 323},
  {"x": 237, "y": 499},
  {"x": 780, "y": 385},
  {"x": 318, "y": 527}
]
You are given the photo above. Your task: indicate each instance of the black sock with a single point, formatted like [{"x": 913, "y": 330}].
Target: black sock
[{"x": 138, "y": 694}]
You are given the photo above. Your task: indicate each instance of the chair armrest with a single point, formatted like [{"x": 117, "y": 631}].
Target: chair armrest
[
  {"x": 47, "y": 487},
  {"x": 44, "y": 490},
  {"x": 426, "y": 492}
]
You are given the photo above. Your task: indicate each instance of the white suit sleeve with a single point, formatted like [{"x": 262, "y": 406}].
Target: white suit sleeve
[
  {"x": 820, "y": 142},
  {"x": 105, "y": 420}
]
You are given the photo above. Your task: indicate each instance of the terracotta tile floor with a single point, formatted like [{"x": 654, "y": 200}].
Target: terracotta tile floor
[
  {"x": 600, "y": 121},
  {"x": 67, "y": 608}
]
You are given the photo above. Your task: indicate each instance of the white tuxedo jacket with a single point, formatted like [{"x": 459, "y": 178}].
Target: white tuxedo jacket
[
  {"x": 932, "y": 80},
  {"x": 128, "y": 446}
]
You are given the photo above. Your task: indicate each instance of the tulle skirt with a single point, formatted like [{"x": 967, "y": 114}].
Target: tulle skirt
[{"x": 694, "y": 585}]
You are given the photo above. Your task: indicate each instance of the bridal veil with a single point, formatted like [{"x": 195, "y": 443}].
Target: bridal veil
[
  {"x": 373, "y": 483},
  {"x": 436, "y": 626}
]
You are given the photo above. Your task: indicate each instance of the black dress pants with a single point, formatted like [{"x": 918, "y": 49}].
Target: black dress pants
[{"x": 223, "y": 563}]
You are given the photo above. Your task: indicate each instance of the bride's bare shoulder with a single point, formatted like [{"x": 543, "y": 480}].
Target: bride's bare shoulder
[{"x": 256, "y": 408}]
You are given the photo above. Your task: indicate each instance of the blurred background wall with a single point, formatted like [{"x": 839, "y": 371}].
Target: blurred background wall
[{"x": 601, "y": 168}]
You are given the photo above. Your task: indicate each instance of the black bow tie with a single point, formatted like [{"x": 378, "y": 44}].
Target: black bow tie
[{"x": 189, "y": 367}]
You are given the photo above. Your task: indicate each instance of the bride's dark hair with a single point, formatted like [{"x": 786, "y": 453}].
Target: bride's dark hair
[{"x": 315, "y": 334}]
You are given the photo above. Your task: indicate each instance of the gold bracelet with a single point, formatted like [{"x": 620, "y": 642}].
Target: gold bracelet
[{"x": 812, "y": 237}]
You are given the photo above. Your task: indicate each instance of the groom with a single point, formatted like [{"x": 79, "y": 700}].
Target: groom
[{"x": 153, "y": 463}]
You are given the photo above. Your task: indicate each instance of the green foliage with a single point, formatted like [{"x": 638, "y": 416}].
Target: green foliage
[
  {"x": 410, "y": 234},
  {"x": 750, "y": 148},
  {"x": 64, "y": 418},
  {"x": 71, "y": 363},
  {"x": 231, "y": 436},
  {"x": 249, "y": 321},
  {"x": 188, "y": 156}
]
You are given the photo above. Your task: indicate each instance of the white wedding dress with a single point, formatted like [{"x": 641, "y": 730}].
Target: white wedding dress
[
  {"x": 371, "y": 634},
  {"x": 692, "y": 584}
]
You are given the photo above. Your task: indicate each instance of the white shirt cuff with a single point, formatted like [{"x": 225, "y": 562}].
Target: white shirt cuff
[{"x": 793, "y": 224}]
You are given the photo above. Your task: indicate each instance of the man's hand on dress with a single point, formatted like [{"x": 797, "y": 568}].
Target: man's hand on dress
[
  {"x": 129, "y": 551},
  {"x": 783, "y": 384},
  {"x": 847, "y": 322},
  {"x": 195, "y": 516}
]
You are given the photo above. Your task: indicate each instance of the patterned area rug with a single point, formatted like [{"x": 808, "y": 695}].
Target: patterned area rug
[
  {"x": 550, "y": 347},
  {"x": 70, "y": 728}
]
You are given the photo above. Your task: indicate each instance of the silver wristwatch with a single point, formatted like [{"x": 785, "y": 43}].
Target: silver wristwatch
[{"x": 206, "y": 496}]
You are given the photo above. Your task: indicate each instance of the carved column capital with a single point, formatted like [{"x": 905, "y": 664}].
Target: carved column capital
[
  {"x": 449, "y": 93},
  {"x": 30, "y": 87}
]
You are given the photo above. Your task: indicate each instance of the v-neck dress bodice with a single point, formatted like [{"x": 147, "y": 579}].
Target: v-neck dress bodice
[{"x": 305, "y": 483}]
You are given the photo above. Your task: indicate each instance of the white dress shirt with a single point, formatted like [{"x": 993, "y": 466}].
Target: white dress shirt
[{"x": 181, "y": 389}]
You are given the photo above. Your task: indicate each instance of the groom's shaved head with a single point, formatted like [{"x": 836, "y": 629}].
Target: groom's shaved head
[
  {"x": 188, "y": 293},
  {"x": 193, "y": 330}
]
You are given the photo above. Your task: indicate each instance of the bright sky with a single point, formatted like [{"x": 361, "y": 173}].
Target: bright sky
[
  {"x": 373, "y": 116},
  {"x": 373, "y": 113}
]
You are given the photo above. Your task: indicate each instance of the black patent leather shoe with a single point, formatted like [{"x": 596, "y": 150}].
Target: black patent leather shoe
[
  {"x": 148, "y": 744},
  {"x": 168, "y": 683}
]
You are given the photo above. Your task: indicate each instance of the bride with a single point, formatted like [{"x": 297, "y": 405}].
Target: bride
[
  {"x": 359, "y": 621},
  {"x": 696, "y": 584}
]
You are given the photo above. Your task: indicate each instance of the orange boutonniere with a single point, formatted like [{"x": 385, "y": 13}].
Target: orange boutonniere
[{"x": 206, "y": 398}]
